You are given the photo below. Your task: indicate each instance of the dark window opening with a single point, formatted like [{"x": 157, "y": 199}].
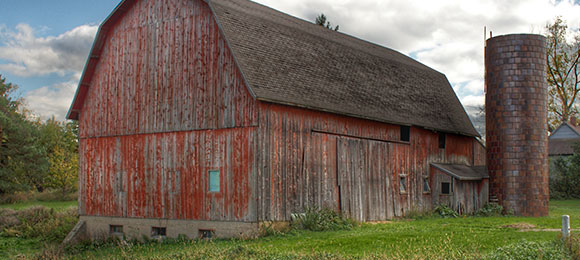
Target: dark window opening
[
  {"x": 158, "y": 232},
  {"x": 206, "y": 233},
  {"x": 441, "y": 140},
  {"x": 405, "y": 133},
  {"x": 446, "y": 188},
  {"x": 403, "y": 184},
  {"x": 426, "y": 187},
  {"x": 115, "y": 230}
]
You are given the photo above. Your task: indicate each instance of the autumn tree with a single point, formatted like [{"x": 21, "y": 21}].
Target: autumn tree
[
  {"x": 562, "y": 56},
  {"x": 322, "y": 21},
  {"x": 60, "y": 142}
]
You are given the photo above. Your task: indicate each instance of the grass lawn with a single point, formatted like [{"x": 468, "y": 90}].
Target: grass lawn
[
  {"x": 428, "y": 238},
  {"x": 57, "y": 205}
]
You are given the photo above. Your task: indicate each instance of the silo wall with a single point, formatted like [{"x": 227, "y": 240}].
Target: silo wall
[{"x": 516, "y": 123}]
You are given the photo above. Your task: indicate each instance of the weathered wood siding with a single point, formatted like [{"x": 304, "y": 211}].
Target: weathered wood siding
[
  {"x": 166, "y": 67},
  {"x": 466, "y": 196},
  {"x": 479, "y": 154},
  {"x": 318, "y": 159},
  {"x": 166, "y": 105},
  {"x": 166, "y": 175}
]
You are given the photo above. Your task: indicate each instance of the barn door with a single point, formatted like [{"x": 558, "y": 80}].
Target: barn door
[
  {"x": 320, "y": 170},
  {"x": 351, "y": 166}
]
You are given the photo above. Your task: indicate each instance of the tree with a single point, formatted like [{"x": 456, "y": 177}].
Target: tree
[
  {"x": 321, "y": 20},
  {"x": 23, "y": 161},
  {"x": 60, "y": 141},
  {"x": 565, "y": 176},
  {"x": 563, "y": 74}
]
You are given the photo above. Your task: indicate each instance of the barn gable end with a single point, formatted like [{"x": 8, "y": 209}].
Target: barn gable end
[{"x": 167, "y": 105}]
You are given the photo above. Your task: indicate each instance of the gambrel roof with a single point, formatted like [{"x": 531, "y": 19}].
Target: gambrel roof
[{"x": 286, "y": 60}]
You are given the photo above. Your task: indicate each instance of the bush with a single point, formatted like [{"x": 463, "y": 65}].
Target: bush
[
  {"x": 527, "y": 250},
  {"x": 445, "y": 211},
  {"x": 490, "y": 210},
  {"x": 321, "y": 220},
  {"x": 38, "y": 222},
  {"x": 565, "y": 176}
]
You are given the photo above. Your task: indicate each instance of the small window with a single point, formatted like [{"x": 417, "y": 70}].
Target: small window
[
  {"x": 441, "y": 140},
  {"x": 405, "y": 133},
  {"x": 214, "y": 181},
  {"x": 426, "y": 187},
  {"x": 206, "y": 233},
  {"x": 445, "y": 188},
  {"x": 115, "y": 230},
  {"x": 158, "y": 232},
  {"x": 403, "y": 184}
]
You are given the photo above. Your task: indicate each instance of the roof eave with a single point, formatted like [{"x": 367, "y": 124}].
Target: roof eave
[{"x": 461, "y": 178}]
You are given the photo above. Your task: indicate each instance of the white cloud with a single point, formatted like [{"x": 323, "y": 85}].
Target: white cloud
[
  {"x": 446, "y": 35},
  {"x": 54, "y": 100},
  {"x": 27, "y": 55}
]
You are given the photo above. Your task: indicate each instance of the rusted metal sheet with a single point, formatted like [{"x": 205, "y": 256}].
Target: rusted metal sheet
[
  {"x": 167, "y": 175},
  {"x": 465, "y": 196},
  {"x": 165, "y": 67},
  {"x": 317, "y": 159}
]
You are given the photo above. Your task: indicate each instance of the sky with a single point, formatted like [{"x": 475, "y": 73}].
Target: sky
[{"x": 44, "y": 43}]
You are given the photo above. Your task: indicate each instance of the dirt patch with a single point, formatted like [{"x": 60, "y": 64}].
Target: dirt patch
[
  {"x": 520, "y": 226},
  {"x": 379, "y": 222}
]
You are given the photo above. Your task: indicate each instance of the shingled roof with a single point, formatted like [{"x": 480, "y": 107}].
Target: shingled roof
[{"x": 290, "y": 61}]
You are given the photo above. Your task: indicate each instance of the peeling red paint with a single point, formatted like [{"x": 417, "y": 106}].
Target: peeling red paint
[
  {"x": 365, "y": 158},
  {"x": 167, "y": 104}
]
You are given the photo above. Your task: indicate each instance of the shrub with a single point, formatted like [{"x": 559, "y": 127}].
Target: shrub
[
  {"x": 527, "y": 250},
  {"x": 38, "y": 222},
  {"x": 322, "y": 220},
  {"x": 445, "y": 211},
  {"x": 490, "y": 210},
  {"x": 565, "y": 176}
]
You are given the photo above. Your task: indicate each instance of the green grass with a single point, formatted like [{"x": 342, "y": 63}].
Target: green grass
[
  {"x": 428, "y": 238},
  {"x": 57, "y": 205}
]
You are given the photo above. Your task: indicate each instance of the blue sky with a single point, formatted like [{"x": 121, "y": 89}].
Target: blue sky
[
  {"x": 44, "y": 43},
  {"x": 50, "y": 18}
]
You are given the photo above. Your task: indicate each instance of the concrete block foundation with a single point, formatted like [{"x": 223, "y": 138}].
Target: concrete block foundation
[{"x": 137, "y": 228}]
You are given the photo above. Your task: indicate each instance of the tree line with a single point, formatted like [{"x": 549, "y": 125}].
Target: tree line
[{"x": 34, "y": 155}]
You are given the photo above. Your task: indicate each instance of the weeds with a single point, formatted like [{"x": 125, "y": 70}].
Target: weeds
[
  {"x": 490, "y": 210},
  {"x": 322, "y": 220},
  {"x": 37, "y": 222},
  {"x": 445, "y": 211},
  {"x": 572, "y": 243},
  {"x": 527, "y": 250}
]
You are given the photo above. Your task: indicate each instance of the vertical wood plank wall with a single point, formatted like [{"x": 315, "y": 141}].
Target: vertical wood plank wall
[
  {"x": 316, "y": 159},
  {"x": 466, "y": 196},
  {"x": 166, "y": 105},
  {"x": 166, "y": 67}
]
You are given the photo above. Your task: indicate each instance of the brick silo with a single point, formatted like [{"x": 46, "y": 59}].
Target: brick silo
[{"x": 516, "y": 122}]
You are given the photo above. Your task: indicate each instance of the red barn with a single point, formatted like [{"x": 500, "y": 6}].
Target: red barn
[{"x": 210, "y": 117}]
